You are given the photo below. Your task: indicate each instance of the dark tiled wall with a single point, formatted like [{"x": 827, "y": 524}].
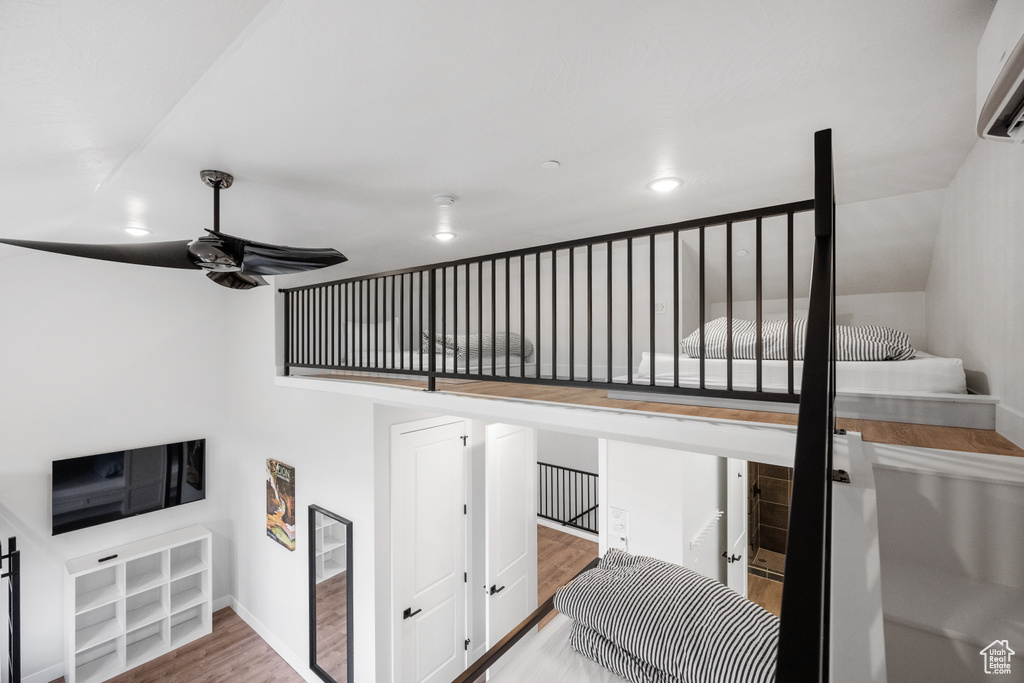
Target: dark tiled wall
[
  {"x": 768, "y": 511},
  {"x": 776, "y": 484}
]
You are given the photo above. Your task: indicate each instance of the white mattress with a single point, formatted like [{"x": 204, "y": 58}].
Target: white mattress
[
  {"x": 412, "y": 360},
  {"x": 923, "y": 373},
  {"x": 548, "y": 657}
]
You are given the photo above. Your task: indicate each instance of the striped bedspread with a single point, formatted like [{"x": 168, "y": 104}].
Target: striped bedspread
[
  {"x": 650, "y": 621},
  {"x": 858, "y": 343}
]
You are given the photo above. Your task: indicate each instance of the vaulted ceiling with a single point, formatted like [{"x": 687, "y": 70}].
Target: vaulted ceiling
[{"x": 341, "y": 121}]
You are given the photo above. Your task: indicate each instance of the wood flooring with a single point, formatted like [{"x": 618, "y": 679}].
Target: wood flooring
[
  {"x": 560, "y": 557},
  {"x": 233, "y": 653},
  {"x": 766, "y": 593},
  {"x": 897, "y": 433}
]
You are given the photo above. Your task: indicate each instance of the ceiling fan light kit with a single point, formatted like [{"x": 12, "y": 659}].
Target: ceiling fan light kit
[{"x": 229, "y": 261}]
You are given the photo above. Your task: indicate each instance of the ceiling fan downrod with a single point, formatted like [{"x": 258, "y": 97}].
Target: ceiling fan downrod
[{"x": 218, "y": 180}]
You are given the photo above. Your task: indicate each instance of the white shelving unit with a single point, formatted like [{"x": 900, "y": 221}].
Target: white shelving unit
[
  {"x": 152, "y": 597},
  {"x": 331, "y": 553}
]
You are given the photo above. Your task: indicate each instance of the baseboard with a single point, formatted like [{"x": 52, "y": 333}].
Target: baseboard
[
  {"x": 567, "y": 529},
  {"x": 222, "y": 602},
  {"x": 1010, "y": 423},
  {"x": 48, "y": 674},
  {"x": 299, "y": 664}
]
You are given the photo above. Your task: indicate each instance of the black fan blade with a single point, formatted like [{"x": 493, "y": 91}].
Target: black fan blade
[
  {"x": 163, "y": 254},
  {"x": 270, "y": 259},
  {"x": 236, "y": 280}
]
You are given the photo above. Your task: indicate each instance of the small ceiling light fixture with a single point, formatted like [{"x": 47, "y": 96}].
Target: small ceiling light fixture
[
  {"x": 551, "y": 163},
  {"x": 664, "y": 184},
  {"x": 742, "y": 252},
  {"x": 444, "y": 220},
  {"x": 136, "y": 231},
  {"x": 444, "y": 236}
]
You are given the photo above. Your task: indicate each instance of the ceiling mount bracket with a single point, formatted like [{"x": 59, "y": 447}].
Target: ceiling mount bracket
[{"x": 217, "y": 178}]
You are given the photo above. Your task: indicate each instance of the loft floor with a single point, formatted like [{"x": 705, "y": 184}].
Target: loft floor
[{"x": 896, "y": 433}]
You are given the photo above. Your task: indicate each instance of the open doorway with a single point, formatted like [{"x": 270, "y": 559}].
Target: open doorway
[
  {"x": 567, "y": 509},
  {"x": 770, "y": 488}
]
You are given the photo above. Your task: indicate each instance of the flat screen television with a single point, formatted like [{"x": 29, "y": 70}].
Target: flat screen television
[{"x": 95, "y": 489}]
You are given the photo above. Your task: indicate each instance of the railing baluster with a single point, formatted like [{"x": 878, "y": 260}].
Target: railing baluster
[
  {"x": 494, "y": 317},
  {"x": 759, "y": 347},
  {"x": 508, "y": 319},
  {"x": 653, "y": 313},
  {"x": 629, "y": 313},
  {"x": 700, "y": 325},
  {"x": 572, "y": 315},
  {"x": 728, "y": 306},
  {"x": 590, "y": 313},
  {"x": 432, "y": 322},
  {"x": 469, "y": 324},
  {"x": 554, "y": 315},
  {"x": 790, "y": 341},
  {"x": 522, "y": 315},
  {"x": 480, "y": 318},
  {"x": 675, "y": 308},
  {"x": 608, "y": 324},
  {"x": 537, "y": 334}
]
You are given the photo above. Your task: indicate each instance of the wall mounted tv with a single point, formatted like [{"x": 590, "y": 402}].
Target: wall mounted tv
[{"x": 95, "y": 489}]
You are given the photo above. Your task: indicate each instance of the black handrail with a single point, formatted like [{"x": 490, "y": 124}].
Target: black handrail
[
  {"x": 13, "y": 576},
  {"x": 804, "y": 630},
  {"x": 428, "y": 311}
]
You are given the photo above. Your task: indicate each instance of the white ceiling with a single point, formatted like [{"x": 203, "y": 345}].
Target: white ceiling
[{"x": 341, "y": 120}]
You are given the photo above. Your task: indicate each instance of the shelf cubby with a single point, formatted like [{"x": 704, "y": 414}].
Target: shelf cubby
[
  {"x": 97, "y": 588},
  {"x": 187, "y": 623},
  {"x": 144, "y": 608},
  {"x": 97, "y": 626},
  {"x": 189, "y": 558},
  {"x": 145, "y": 572},
  {"x": 187, "y": 592},
  {"x": 147, "y": 642},
  {"x": 98, "y": 663}
]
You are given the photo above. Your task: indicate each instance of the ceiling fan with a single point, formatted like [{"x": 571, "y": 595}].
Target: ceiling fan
[{"x": 229, "y": 261}]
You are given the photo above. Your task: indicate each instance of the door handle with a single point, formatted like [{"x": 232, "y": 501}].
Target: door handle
[
  {"x": 495, "y": 591},
  {"x": 409, "y": 613},
  {"x": 734, "y": 558}
]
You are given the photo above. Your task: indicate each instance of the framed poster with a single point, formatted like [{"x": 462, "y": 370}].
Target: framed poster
[{"x": 281, "y": 503}]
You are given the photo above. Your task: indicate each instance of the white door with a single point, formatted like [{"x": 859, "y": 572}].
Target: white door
[
  {"x": 511, "y": 459},
  {"x": 736, "y": 526},
  {"x": 428, "y": 532}
]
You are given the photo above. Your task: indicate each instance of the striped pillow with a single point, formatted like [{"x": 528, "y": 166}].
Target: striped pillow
[
  {"x": 853, "y": 343},
  {"x": 678, "y": 621}
]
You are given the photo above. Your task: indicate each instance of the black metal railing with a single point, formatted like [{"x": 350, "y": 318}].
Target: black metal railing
[
  {"x": 13, "y": 576},
  {"x": 806, "y": 595},
  {"x": 567, "y": 496},
  {"x": 589, "y": 312}
]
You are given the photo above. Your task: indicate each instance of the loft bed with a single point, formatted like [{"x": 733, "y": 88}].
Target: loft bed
[{"x": 591, "y": 307}]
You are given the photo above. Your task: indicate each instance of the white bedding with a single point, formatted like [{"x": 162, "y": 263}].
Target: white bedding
[
  {"x": 444, "y": 363},
  {"x": 548, "y": 657},
  {"x": 923, "y": 373}
]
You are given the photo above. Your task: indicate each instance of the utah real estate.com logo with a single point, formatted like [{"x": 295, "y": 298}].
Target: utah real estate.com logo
[{"x": 997, "y": 657}]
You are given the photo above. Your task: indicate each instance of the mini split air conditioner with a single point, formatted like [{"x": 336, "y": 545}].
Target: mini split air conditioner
[{"x": 1001, "y": 74}]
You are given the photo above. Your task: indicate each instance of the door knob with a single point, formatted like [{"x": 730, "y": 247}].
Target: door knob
[
  {"x": 409, "y": 613},
  {"x": 495, "y": 591}
]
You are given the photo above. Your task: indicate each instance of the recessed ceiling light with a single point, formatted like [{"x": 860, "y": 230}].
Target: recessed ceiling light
[
  {"x": 136, "y": 231},
  {"x": 551, "y": 163},
  {"x": 664, "y": 184},
  {"x": 742, "y": 252},
  {"x": 444, "y": 236}
]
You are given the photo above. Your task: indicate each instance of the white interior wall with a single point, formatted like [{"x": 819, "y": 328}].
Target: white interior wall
[
  {"x": 976, "y": 280},
  {"x": 669, "y": 495},
  {"x": 330, "y": 442},
  {"x": 102, "y": 357},
  {"x": 567, "y": 450}
]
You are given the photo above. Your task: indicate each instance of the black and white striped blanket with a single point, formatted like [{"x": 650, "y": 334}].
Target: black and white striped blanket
[
  {"x": 459, "y": 346},
  {"x": 650, "y": 621},
  {"x": 860, "y": 342}
]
